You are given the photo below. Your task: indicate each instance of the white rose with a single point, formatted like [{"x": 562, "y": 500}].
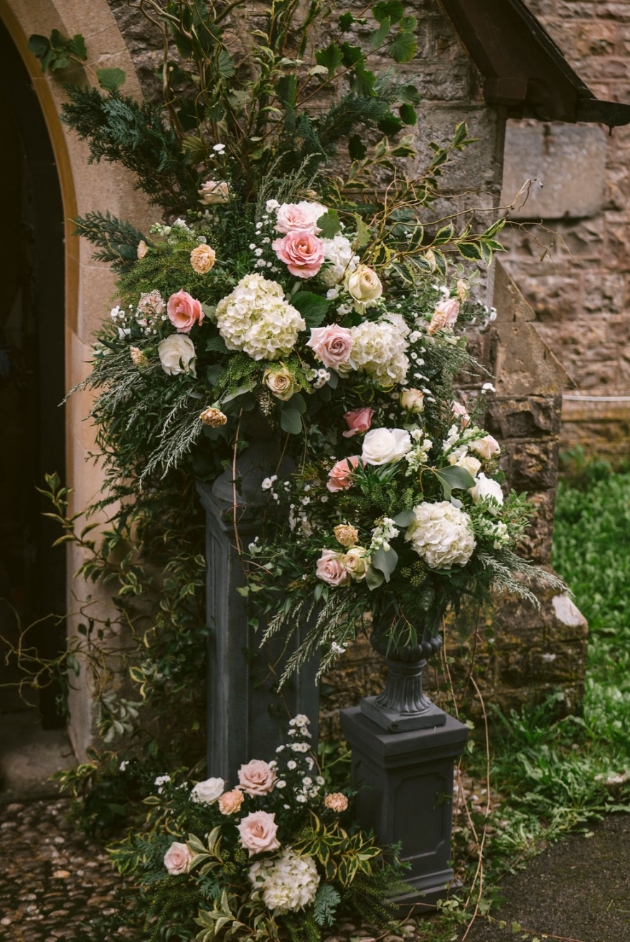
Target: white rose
[
  {"x": 471, "y": 464},
  {"x": 177, "y": 354},
  {"x": 385, "y": 445},
  {"x": 364, "y": 286},
  {"x": 487, "y": 489},
  {"x": 412, "y": 400},
  {"x": 206, "y": 793},
  {"x": 487, "y": 447}
]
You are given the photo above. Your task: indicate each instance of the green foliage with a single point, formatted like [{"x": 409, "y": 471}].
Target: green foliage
[
  {"x": 55, "y": 52},
  {"x": 117, "y": 240}
]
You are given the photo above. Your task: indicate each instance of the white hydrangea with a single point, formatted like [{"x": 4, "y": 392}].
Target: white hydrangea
[
  {"x": 338, "y": 253},
  {"x": 379, "y": 349},
  {"x": 442, "y": 534},
  {"x": 256, "y": 318},
  {"x": 287, "y": 884}
]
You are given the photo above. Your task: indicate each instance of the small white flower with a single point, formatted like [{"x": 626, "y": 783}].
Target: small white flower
[
  {"x": 219, "y": 148},
  {"x": 281, "y": 783},
  {"x": 271, "y": 205},
  {"x": 488, "y": 387},
  {"x": 300, "y": 798},
  {"x": 291, "y": 764}
]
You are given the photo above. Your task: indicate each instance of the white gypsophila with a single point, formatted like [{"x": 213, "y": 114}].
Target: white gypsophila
[
  {"x": 256, "y": 318},
  {"x": 441, "y": 534},
  {"x": 287, "y": 883},
  {"x": 379, "y": 349},
  {"x": 341, "y": 259},
  {"x": 419, "y": 451},
  {"x": 488, "y": 490},
  {"x": 206, "y": 793}
]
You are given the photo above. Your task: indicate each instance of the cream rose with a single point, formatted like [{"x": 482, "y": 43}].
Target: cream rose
[
  {"x": 487, "y": 489},
  {"x": 346, "y": 534},
  {"x": 356, "y": 562},
  {"x": 177, "y": 859},
  {"x": 177, "y": 354},
  {"x": 256, "y": 778},
  {"x": 230, "y": 802},
  {"x": 202, "y": 259},
  {"x": 280, "y": 382},
  {"x": 412, "y": 400},
  {"x": 330, "y": 568},
  {"x": 258, "y": 832},
  {"x": 364, "y": 286},
  {"x": 487, "y": 447},
  {"x": 214, "y": 191},
  {"x": 384, "y": 445},
  {"x": 470, "y": 463},
  {"x": 206, "y": 793},
  {"x": 331, "y": 345}
]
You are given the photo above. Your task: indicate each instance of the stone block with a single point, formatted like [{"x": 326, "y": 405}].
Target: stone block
[
  {"x": 568, "y": 160},
  {"x": 531, "y": 466},
  {"x": 536, "y": 544},
  {"x": 530, "y": 417}
]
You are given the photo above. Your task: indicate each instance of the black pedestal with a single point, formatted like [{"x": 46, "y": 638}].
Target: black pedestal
[{"x": 407, "y": 796}]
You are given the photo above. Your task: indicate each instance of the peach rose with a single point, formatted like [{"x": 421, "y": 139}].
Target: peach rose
[
  {"x": 459, "y": 411},
  {"x": 202, "y": 258},
  {"x": 213, "y": 417},
  {"x": 346, "y": 534},
  {"x": 214, "y": 191},
  {"x": 445, "y": 315},
  {"x": 359, "y": 420},
  {"x": 256, "y": 778},
  {"x": 258, "y": 832},
  {"x": 486, "y": 447},
  {"x": 331, "y": 345},
  {"x": 184, "y": 312},
  {"x": 301, "y": 251},
  {"x": 177, "y": 859},
  {"x": 340, "y": 475},
  {"x": 302, "y": 215},
  {"x": 330, "y": 568},
  {"x": 336, "y": 802},
  {"x": 230, "y": 802}
]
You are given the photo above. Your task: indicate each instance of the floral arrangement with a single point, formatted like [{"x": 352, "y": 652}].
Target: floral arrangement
[{"x": 275, "y": 857}]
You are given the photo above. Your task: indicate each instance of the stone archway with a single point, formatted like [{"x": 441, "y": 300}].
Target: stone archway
[{"x": 88, "y": 284}]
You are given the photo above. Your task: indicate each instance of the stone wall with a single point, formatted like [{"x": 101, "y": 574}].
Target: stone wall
[{"x": 575, "y": 270}]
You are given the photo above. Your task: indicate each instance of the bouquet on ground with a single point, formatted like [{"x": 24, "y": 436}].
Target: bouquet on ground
[{"x": 275, "y": 857}]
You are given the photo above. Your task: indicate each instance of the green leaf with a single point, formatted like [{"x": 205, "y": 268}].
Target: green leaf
[
  {"x": 363, "y": 231},
  {"x": 331, "y": 58},
  {"x": 408, "y": 114},
  {"x": 291, "y": 420},
  {"x": 454, "y": 477},
  {"x": 216, "y": 344},
  {"x": 351, "y": 54},
  {"x": 356, "y": 148},
  {"x": 77, "y": 46},
  {"x": 404, "y": 518},
  {"x": 392, "y": 9},
  {"x": 38, "y": 45},
  {"x": 286, "y": 89},
  {"x": 470, "y": 250},
  {"x": 378, "y": 37},
  {"x": 298, "y": 402},
  {"x": 225, "y": 64},
  {"x": 345, "y": 21},
  {"x": 410, "y": 95},
  {"x": 385, "y": 561},
  {"x": 389, "y": 124},
  {"x": 330, "y": 224},
  {"x": 364, "y": 81},
  {"x": 374, "y": 578},
  {"x": 110, "y": 79},
  {"x": 312, "y": 307},
  {"x": 403, "y": 46}
]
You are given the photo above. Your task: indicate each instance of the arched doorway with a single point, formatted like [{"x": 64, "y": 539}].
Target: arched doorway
[{"x": 32, "y": 428}]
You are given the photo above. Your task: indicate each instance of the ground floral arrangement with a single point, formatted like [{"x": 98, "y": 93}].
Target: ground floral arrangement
[
  {"x": 276, "y": 857},
  {"x": 298, "y": 288}
]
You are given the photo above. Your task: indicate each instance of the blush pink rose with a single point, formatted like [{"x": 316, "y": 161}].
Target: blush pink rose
[
  {"x": 445, "y": 315},
  {"x": 258, "y": 832},
  {"x": 303, "y": 215},
  {"x": 301, "y": 251},
  {"x": 177, "y": 859},
  {"x": 184, "y": 311},
  {"x": 460, "y": 412},
  {"x": 359, "y": 420},
  {"x": 331, "y": 345},
  {"x": 486, "y": 447},
  {"x": 340, "y": 475},
  {"x": 330, "y": 568},
  {"x": 256, "y": 778}
]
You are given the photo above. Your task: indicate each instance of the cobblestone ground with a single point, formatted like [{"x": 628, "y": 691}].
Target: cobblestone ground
[{"x": 52, "y": 877}]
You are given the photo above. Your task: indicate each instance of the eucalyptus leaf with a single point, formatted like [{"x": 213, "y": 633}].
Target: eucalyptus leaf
[
  {"x": 374, "y": 578},
  {"x": 405, "y": 518},
  {"x": 291, "y": 421},
  {"x": 454, "y": 477},
  {"x": 385, "y": 561}
]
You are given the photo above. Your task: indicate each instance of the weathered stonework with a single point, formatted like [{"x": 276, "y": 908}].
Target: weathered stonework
[{"x": 576, "y": 271}]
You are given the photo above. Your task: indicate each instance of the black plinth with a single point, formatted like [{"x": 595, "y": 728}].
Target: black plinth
[
  {"x": 247, "y": 716},
  {"x": 406, "y": 797}
]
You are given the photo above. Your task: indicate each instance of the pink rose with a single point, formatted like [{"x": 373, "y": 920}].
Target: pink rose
[
  {"x": 258, "y": 832},
  {"x": 445, "y": 315},
  {"x": 331, "y": 345},
  {"x": 459, "y": 411},
  {"x": 330, "y": 568},
  {"x": 486, "y": 447},
  {"x": 177, "y": 859},
  {"x": 359, "y": 420},
  {"x": 184, "y": 311},
  {"x": 303, "y": 215},
  {"x": 256, "y": 778},
  {"x": 340, "y": 475},
  {"x": 301, "y": 251}
]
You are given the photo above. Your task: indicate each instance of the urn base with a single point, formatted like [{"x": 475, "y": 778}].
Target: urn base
[{"x": 395, "y": 721}]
